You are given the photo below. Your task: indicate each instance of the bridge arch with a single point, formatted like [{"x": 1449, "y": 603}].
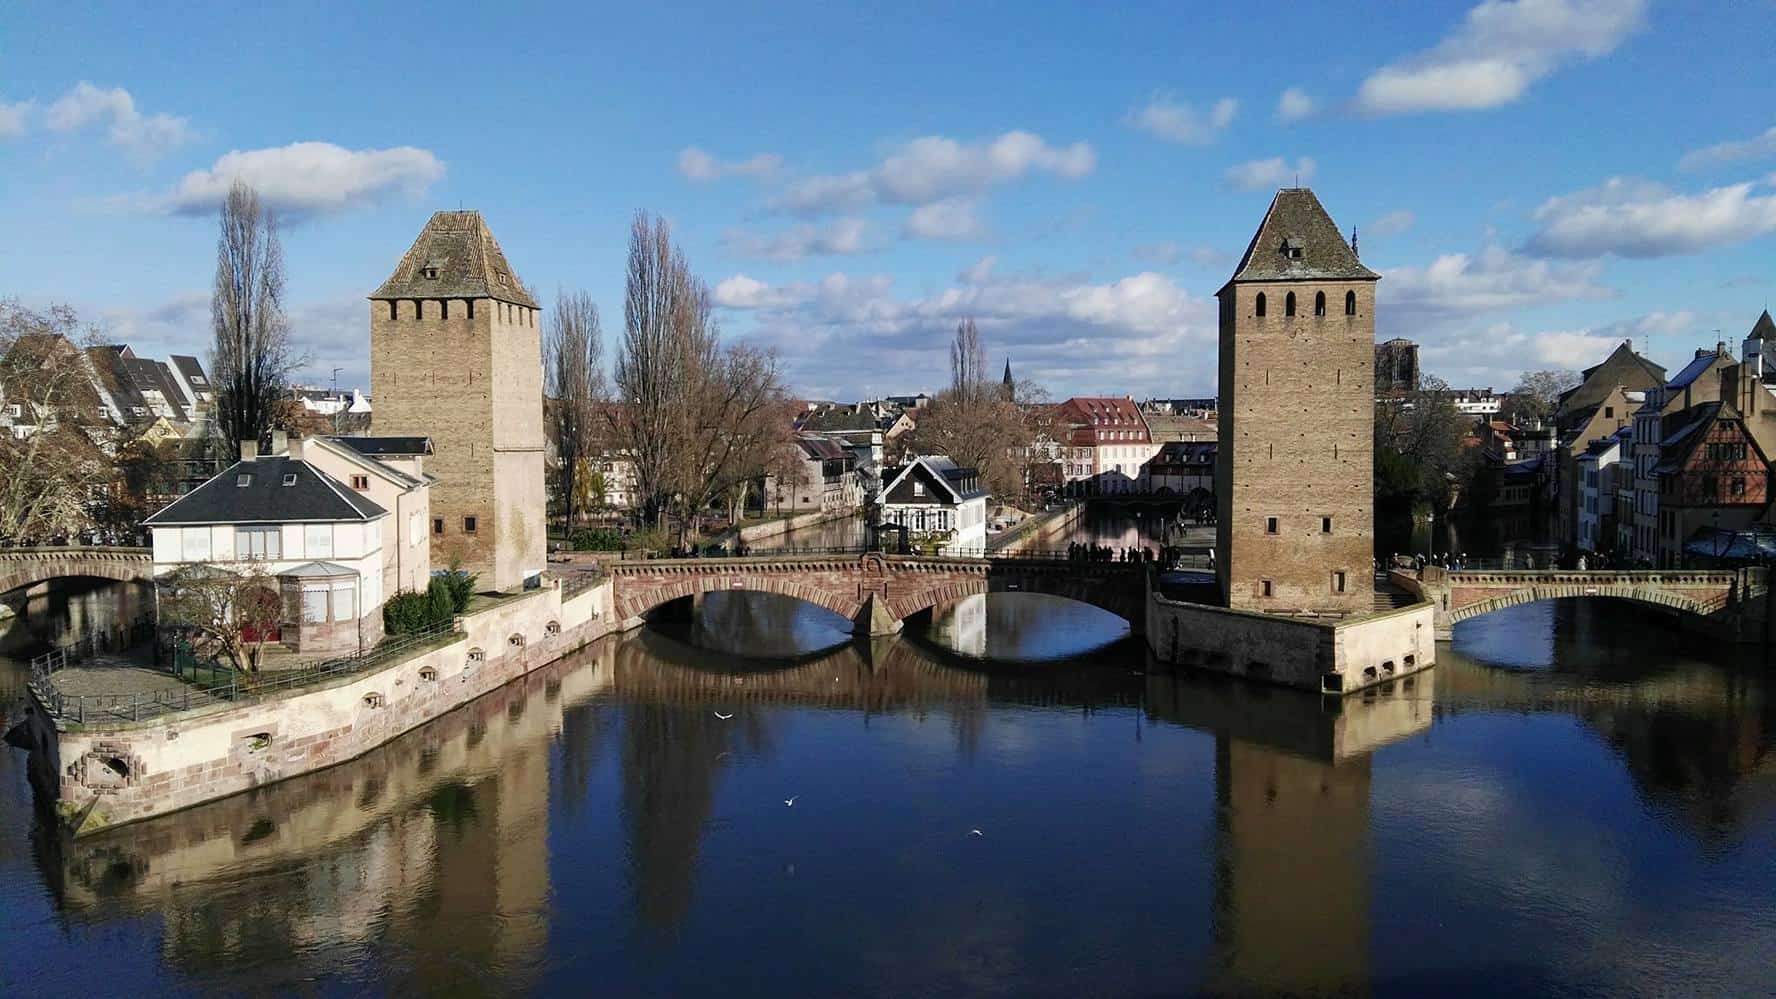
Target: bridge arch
[
  {"x": 24, "y": 567},
  {"x": 1664, "y": 599}
]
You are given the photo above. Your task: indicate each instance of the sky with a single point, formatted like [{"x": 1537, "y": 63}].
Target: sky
[{"x": 1536, "y": 180}]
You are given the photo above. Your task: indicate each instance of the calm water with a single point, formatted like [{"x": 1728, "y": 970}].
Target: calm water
[{"x": 1576, "y": 799}]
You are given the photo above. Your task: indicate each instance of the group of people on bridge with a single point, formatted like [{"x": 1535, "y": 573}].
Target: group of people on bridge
[{"x": 1079, "y": 551}]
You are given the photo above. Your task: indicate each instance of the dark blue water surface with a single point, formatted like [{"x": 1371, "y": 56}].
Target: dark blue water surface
[{"x": 1578, "y": 799}]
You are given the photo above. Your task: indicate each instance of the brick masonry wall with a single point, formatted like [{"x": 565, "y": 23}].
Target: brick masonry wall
[
  {"x": 474, "y": 386},
  {"x": 180, "y": 760},
  {"x": 1297, "y": 443}
]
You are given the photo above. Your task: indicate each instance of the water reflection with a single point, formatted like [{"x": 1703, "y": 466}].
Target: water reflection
[
  {"x": 67, "y": 609},
  {"x": 601, "y": 821}
]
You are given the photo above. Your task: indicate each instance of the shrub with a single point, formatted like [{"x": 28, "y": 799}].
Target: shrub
[
  {"x": 405, "y": 612},
  {"x": 595, "y": 539}
]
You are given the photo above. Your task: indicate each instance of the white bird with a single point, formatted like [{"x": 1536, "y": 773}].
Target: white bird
[
  {"x": 976, "y": 832},
  {"x": 790, "y": 801},
  {"x": 723, "y": 717}
]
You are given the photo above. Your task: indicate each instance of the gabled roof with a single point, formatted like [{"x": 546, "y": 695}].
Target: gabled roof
[
  {"x": 944, "y": 471},
  {"x": 1764, "y": 328},
  {"x": 368, "y": 463},
  {"x": 461, "y": 251},
  {"x": 1693, "y": 370},
  {"x": 262, "y": 498},
  {"x": 1674, "y": 450},
  {"x": 1298, "y": 241}
]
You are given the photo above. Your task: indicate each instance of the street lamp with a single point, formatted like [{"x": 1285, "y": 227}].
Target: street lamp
[{"x": 336, "y": 406}]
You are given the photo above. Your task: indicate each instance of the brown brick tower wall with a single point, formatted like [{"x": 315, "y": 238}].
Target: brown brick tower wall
[
  {"x": 473, "y": 384},
  {"x": 1297, "y": 412}
]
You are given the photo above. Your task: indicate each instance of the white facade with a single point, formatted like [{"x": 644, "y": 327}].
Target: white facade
[{"x": 1598, "y": 490}]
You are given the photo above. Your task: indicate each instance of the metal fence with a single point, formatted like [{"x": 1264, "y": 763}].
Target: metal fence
[{"x": 207, "y": 681}]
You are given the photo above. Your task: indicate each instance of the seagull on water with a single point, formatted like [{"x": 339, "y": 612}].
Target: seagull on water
[
  {"x": 790, "y": 801},
  {"x": 723, "y": 717}
]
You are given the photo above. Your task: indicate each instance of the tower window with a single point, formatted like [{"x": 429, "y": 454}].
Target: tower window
[
  {"x": 437, "y": 525},
  {"x": 430, "y": 272},
  {"x": 1338, "y": 581},
  {"x": 1270, "y": 525},
  {"x": 1260, "y": 304},
  {"x": 1350, "y": 303},
  {"x": 419, "y": 308},
  {"x": 1264, "y": 587},
  {"x": 471, "y": 308},
  {"x": 444, "y": 306},
  {"x": 1289, "y": 304},
  {"x": 1325, "y": 525},
  {"x": 1319, "y": 303},
  {"x": 392, "y": 313},
  {"x": 468, "y": 525}
]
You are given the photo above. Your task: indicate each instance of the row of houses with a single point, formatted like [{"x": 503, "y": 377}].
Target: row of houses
[{"x": 1667, "y": 471}]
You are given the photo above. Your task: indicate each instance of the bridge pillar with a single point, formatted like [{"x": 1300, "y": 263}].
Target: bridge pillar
[{"x": 873, "y": 619}]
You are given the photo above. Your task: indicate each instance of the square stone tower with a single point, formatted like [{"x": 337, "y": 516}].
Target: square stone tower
[
  {"x": 456, "y": 355},
  {"x": 1297, "y": 417}
]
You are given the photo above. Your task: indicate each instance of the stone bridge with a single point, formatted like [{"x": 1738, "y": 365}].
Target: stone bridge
[
  {"x": 1720, "y": 596},
  {"x": 876, "y": 592},
  {"x": 26, "y": 567}
]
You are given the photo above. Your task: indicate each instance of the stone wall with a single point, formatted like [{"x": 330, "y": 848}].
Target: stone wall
[
  {"x": 474, "y": 386},
  {"x": 1318, "y": 654},
  {"x": 1296, "y": 444},
  {"x": 131, "y": 771}
]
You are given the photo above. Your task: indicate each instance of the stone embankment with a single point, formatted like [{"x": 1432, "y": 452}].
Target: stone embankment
[
  {"x": 1049, "y": 529},
  {"x": 113, "y": 772}
]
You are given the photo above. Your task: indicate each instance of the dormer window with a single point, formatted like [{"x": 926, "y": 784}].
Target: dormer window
[
  {"x": 290, "y": 479},
  {"x": 243, "y": 481},
  {"x": 1291, "y": 248}
]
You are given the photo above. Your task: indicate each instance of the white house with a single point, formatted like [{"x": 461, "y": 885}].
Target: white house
[
  {"x": 933, "y": 497},
  {"x": 1600, "y": 475},
  {"x": 329, "y": 546}
]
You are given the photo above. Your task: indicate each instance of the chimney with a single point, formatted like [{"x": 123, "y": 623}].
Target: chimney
[
  {"x": 249, "y": 450},
  {"x": 280, "y": 443},
  {"x": 294, "y": 448}
]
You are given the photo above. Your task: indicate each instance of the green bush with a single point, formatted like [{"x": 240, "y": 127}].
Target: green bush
[
  {"x": 446, "y": 596},
  {"x": 406, "y": 612},
  {"x": 458, "y": 585},
  {"x": 596, "y": 539}
]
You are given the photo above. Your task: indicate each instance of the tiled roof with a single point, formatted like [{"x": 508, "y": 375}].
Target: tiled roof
[
  {"x": 254, "y": 492},
  {"x": 1298, "y": 241},
  {"x": 460, "y": 250}
]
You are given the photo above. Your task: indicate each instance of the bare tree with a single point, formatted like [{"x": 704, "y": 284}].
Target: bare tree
[
  {"x": 51, "y": 468},
  {"x": 665, "y": 335},
  {"x": 694, "y": 416},
  {"x": 1537, "y": 395},
  {"x": 975, "y": 422},
  {"x": 252, "y": 356},
  {"x": 228, "y": 614},
  {"x": 573, "y": 364}
]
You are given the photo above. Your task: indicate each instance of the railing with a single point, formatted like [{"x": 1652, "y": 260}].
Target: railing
[
  {"x": 207, "y": 680},
  {"x": 123, "y": 636}
]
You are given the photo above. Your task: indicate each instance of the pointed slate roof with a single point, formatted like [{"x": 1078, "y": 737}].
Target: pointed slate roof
[
  {"x": 1298, "y": 241},
  {"x": 1764, "y": 328},
  {"x": 460, "y": 249},
  {"x": 269, "y": 490}
]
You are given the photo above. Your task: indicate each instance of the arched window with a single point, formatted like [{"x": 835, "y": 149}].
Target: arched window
[
  {"x": 1260, "y": 303},
  {"x": 1319, "y": 303},
  {"x": 1289, "y": 304},
  {"x": 1350, "y": 303}
]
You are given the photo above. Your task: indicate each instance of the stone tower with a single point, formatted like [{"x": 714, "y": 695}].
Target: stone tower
[
  {"x": 455, "y": 355},
  {"x": 1297, "y": 416}
]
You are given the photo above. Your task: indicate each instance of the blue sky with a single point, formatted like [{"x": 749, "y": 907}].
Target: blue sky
[{"x": 1536, "y": 180}]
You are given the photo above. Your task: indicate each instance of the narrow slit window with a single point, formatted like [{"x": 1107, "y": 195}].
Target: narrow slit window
[
  {"x": 1270, "y": 525},
  {"x": 1259, "y": 305},
  {"x": 1289, "y": 304},
  {"x": 1325, "y": 525},
  {"x": 1319, "y": 303},
  {"x": 1350, "y": 303}
]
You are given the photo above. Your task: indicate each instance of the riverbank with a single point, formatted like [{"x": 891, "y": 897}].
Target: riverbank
[
  {"x": 1049, "y": 529},
  {"x": 106, "y": 773},
  {"x": 778, "y": 526}
]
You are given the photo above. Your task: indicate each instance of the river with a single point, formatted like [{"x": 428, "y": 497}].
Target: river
[{"x": 1577, "y": 798}]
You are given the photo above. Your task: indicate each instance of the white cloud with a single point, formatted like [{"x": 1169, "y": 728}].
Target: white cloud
[
  {"x": 144, "y": 137},
  {"x": 699, "y": 166},
  {"x": 1392, "y": 223},
  {"x": 325, "y": 334},
  {"x": 1499, "y": 50},
  {"x": 1208, "y": 256},
  {"x": 1498, "y": 353},
  {"x": 951, "y": 219},
  {"x": 980, "y": 272},
  {"x": 1637, "y": 218},
  {"x": 934, "y": 168},
  {"x": 307, "y": 178},
  {"x": 1457, "y": 284},
  {"x": 1177, "y": 121},
  {"x": 1756, "y": 147},
  {"x": 842, "y": 236},
  {"x": 1295, "y": 104},
  {"x": 1073, "y": 334},
  {"x": 12, "y": 117},
  {"x": 1274, "y": 172}
]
